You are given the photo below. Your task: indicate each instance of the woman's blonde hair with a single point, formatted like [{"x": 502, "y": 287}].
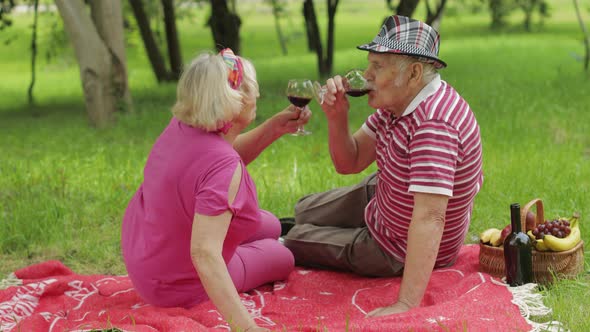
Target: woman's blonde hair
[
  {"x": 204, "y": 98},
  {"x": 249, "y": 87}
]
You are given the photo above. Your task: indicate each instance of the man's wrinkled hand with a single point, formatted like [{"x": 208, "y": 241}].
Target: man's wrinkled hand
[
  {"x": 336, "y": 103},
  {"x": 396, "y": 308}
]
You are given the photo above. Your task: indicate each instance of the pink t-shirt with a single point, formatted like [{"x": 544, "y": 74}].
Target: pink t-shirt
[{"x": 188, "y": 171}]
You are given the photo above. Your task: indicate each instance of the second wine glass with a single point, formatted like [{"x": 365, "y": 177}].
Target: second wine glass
[{"x": 300, "y": 93}]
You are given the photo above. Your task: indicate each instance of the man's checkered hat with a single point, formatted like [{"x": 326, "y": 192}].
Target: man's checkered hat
[{"x": 403, "y": 35}]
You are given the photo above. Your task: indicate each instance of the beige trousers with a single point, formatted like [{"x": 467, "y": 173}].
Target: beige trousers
[{"x": 331, "y": 232}]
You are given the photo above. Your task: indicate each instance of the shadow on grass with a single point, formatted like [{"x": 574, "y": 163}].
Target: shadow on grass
[
  {"x": 25, "y": 111},
  {"x": 157, "y": 97}
]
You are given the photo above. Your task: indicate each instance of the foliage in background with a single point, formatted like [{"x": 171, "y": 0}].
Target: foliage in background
[
  {"x": 5, "y": 8},
  {"x": 500, "y": 9},
  {"x": 279, "y": 10}
]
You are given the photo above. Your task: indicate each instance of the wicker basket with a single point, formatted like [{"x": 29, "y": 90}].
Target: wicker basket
[{"x": 546, "y": 264}]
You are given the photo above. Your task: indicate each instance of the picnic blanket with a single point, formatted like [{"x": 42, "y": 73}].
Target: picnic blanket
[{"x": 50, "y": 297}]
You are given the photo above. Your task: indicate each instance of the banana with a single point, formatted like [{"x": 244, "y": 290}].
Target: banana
[
  {"x": 496, "y": 238},
  {"x": 487, "y": 234},
  {"x": 567, "y": 243},
  {"x": 538, "y": 244},
  {"x": 574, "y": 219},
  {"x": 556, "y": 244}
]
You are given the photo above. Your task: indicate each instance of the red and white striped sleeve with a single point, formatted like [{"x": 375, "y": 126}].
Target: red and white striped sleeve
[{"x": 433, "y": 158}]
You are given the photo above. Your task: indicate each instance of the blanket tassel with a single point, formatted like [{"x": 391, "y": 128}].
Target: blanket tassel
[
  {"x": 11, "y": 280},
  {"x": 530, "y": 303}
]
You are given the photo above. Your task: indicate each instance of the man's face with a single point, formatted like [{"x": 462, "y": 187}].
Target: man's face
[{"x": 389, "y": 83}]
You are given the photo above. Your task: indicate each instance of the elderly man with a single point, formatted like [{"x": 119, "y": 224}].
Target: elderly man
[{"x": 412, "y": 215}]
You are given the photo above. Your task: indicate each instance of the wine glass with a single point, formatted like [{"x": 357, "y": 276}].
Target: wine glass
[
  {"x": 355, "y": 83},
  {"x": 300, "y": 93}
]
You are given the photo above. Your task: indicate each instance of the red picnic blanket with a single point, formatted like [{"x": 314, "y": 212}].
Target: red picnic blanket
[{"x": 53, "y": 298}]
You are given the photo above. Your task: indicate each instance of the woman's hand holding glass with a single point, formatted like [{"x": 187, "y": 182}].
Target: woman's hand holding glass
[{"x": 289, "y": 120}]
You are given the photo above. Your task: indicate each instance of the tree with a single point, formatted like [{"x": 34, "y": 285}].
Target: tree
[
  {"x": 312, "y": 30},
  {"x": 433, "y": 17},
  {"x": 278, "y": 10},
  {"x": 586, "y": 35},
  {"x": 407, "y": 7},
  {"x": 100, "y": 51},
  {"x": 225, "y": 25},
  {"x": 325, "y": 61},
  {"x": 33, "y": 52},
  {"x": 151, "y": 46},
  {"x": 174, "y": 56},
  {"x": 528, "y": 6},
  {"x": 500, "y": 9}
]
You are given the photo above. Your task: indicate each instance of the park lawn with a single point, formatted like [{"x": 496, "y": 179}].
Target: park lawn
[{"x": 64, "y": 186}]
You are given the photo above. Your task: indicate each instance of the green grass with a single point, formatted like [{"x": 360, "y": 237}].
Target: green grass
[{"x": 64, "y": 186}]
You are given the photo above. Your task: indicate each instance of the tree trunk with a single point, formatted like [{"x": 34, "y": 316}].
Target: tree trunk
[
  {"x": 107, "y": 16},
  {"x": 527, "y": 21},
  {"x": 94, "y": 59},
  {"x": 311, "y": 26},
  {"x": 149, "y": 42},
  {"x": 407, "y": 7},
  {"x": 528, "y": 7},
  {"x": 332, "y": 7},
  {"x": 172, "y": 39},
  {"x": 498, "y": 15},
  {"x": 225, "y": 26},
  {"x": 33, "y": 53},
  {"x": 313, "y": 33},
  {"x": 433, "y": 18},
  {"x": 586, "y": 36},
  {"x": 276, "y": 14}
]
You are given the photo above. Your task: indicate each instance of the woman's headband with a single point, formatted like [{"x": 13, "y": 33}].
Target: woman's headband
[{"x": 234, "y": 64}]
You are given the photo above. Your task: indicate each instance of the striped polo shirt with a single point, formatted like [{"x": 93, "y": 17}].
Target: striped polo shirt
[{"x": 434, "y": 147}]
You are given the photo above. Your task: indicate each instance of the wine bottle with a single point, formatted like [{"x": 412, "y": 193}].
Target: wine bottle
[{"x": 518, "y": 252}]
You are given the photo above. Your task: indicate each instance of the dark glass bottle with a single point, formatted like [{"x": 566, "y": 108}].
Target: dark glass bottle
[{"x": 518, "y": 252}]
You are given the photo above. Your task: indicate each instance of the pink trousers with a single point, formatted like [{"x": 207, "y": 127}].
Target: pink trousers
[{"x": 261, "y": 258}]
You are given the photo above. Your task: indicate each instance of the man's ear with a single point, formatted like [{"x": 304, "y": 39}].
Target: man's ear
[{"x": 416, "y": 70}]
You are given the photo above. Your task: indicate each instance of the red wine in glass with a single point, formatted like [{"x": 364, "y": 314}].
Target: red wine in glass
[
  {"x": 299, "y": 101},
  {"x": 355, "y": 83},
  {"x": 357, "y": 92}
]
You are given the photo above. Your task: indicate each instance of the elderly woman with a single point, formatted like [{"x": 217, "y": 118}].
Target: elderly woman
[{"x": 194, "y": 230}]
